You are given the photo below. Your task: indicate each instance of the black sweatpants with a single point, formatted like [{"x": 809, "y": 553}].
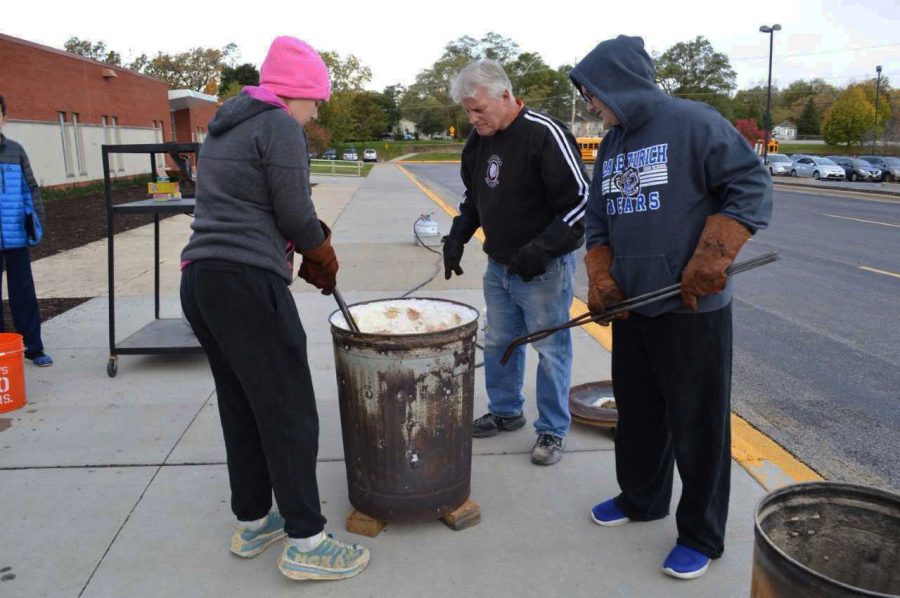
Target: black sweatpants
[
  {"x": 23, "y": 303},
  {"x": 246, "y": 320},
  {"x": 672, "y": 383}
]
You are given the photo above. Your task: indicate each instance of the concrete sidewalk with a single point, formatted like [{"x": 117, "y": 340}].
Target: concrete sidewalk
[{"x": 117, "y": 487}]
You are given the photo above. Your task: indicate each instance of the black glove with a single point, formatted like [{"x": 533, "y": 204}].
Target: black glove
[
  {"x": 528, "y": 262},
  {"x": 453, "y": 251}
]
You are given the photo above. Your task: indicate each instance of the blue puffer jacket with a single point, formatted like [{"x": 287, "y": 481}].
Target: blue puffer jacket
[{"x": 21, "y": 209}]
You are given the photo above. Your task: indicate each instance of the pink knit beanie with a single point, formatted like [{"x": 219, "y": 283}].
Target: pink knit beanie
[{"x": 292, "y": 69}]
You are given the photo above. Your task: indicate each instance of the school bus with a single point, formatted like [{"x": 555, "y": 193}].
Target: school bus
[{"x": 588, "y": 147}]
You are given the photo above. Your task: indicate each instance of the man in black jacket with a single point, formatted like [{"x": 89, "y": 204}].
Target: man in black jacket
[{"x": 526, "y": 188}]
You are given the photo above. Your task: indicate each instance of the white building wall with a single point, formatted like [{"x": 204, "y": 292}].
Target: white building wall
[{"x": 44, "y": 145}]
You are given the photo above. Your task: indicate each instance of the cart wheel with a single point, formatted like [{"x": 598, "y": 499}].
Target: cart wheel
[{"x": 112, "y": 367}]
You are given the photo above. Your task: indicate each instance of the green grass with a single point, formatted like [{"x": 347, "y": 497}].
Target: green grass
[
  {"x": 821, "y": 149},
  {"x": 49, "y": 195},
  {"x": 436, "y": 157},
  {"x": 388, "y": 150},
  {"x": 339, "y": 167}
]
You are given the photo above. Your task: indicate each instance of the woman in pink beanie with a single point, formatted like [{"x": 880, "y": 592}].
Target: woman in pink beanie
[{"x": 253, "y": 212}]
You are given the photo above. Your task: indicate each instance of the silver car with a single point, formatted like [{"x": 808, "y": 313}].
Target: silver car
[
  {"x": 779, "y": 164},
  {"x": 890, "y": 166},
  {"x": 817, "y": 168}
]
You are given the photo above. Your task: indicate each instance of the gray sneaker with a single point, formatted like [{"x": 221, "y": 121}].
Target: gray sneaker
[
  {"x": 490, "y": 425},
  {"x": 547, "y": 450}
]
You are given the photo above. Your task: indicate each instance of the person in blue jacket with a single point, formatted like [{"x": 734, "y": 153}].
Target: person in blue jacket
[
  {"x": 21, "y": 213},
  {"x": 676, "y": 192}
]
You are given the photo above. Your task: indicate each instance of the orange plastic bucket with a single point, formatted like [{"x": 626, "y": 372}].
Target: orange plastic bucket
[{"x": 12, "y": 372}]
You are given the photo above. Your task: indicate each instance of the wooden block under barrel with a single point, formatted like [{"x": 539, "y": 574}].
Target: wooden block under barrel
[
  {"x": 362, "y": 524},
  {"x": 466, "y": 516}
]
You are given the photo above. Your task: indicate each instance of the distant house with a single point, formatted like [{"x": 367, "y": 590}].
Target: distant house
[
  {"x": 64, "y": 107},
  {"x": 405, "y": 128},
  {"x": 785, "y": 130}
]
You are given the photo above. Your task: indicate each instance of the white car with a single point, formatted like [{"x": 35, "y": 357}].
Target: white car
[
  {"x": 779, "y": 164},
  {"x": 350, "y": 154},
  {"x": 817, "y": 168},
  {"x": 370, "y": 155}
]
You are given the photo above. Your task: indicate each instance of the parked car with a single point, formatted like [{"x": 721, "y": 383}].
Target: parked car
[
  {"x": 329, "y": 154},
  {"x": 856, "y": 169},
  {"x": 313, "y": 154},
  {"x": 350, "y": 154},
  {"x": 370, "y": 155},
  {"x": 817, "y": 167},
  {"x": 890, "y": 166},
  {"x": 779, "y": 164}
]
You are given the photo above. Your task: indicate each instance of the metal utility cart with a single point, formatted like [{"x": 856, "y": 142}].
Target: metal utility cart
[{"x": 161, "y": 335}]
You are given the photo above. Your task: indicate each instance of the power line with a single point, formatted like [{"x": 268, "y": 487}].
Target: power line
[{"x": 834, "y": 51}]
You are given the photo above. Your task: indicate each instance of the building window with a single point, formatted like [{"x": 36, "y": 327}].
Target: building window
[
  {"x": 117, "y": 137},
  {"x": 172, "y": 124},
  {"x": 158, "y": 138},
  {"x": 66, "y": 145},
  {"x": 79, "y": 145}
]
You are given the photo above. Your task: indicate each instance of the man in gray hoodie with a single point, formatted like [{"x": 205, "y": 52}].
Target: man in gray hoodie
[{"x": 675, "y": 194}]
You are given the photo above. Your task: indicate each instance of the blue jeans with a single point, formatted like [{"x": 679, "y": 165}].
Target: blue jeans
[
  {"x": 23, "y": 303},
  {"x": 514, "y": 308}
]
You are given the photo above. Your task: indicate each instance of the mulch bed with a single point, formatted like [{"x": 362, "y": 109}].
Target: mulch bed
[{"x": 73, "y": 222}]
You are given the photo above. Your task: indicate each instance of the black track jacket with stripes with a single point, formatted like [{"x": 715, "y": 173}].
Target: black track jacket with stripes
[{"x": 524, "y": 184}]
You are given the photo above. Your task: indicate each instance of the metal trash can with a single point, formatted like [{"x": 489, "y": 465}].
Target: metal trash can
[
  {"x": 827, "y": 539},
  {"x": 406, "y": 416}
]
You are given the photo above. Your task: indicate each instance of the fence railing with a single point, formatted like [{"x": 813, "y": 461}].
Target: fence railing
[{"x": 336, "y": 167}]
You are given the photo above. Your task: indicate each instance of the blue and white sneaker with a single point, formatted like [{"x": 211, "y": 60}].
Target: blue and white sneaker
[
  {"x": 685, "y": 563},
  {"x": 42, "y": 360},
  {"x": 608, "y": 514},
  {"x": 247, "y": 543},
  {"x": 330, "y": 559}
]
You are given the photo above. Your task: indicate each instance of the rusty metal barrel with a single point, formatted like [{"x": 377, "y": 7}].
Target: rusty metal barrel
[
  {"x": 406, "y": 416},
  {"x": 827, "y": 539}
]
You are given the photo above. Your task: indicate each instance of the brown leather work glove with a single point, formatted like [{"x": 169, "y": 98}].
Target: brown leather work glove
[
  {"x": 602, "y": 289},
  {"x": 720, "y": 242},
  {"x": 320, "y": 265}
]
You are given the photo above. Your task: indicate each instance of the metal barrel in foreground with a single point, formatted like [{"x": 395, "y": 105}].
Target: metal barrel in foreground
[
  {"x": 406, "y": 417},
  {"x": 827, "y": 539}
]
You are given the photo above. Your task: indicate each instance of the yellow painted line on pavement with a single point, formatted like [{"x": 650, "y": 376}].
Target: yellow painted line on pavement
[
  {"x": 765, "y": 460},
  {"x": 877, "y": 271},
  {"x": 861, "y": 220},
  {"x": 479, "y": 234}
]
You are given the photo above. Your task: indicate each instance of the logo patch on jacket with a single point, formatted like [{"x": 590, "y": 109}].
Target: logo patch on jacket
[
  {"x": 493, "y": 171},
  {"x": 626, "y": 179}
]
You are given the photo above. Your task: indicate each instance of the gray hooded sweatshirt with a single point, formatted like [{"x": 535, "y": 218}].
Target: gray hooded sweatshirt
[
  {"x": 253, "y": 193},
  {"x": 660, "y": 172}
]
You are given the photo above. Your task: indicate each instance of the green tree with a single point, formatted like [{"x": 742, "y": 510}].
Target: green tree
[
  {"x": 695, "y": 70},
  {"x": 539, "y": 86},
  {"x": 751, "y": 103},
  {"x": 389, "y": 100},
  {"x": 93, "y": 50},
  {"x": 369, "y": 120},
  {"x": 233, "y": 79},
  {"x": 810, "y": 119},
  {"x": 346, "y": 73},
  {"x": 198, "y": 69},
  {"x": 884, "y": 102},
  {"x": 849, "y": 118}
]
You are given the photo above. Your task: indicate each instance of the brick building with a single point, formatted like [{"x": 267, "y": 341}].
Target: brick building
[{"x": 63, "y": 107}]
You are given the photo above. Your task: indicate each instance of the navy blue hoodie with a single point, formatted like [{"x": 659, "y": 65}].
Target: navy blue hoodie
[{"x": 660, "y": 172}]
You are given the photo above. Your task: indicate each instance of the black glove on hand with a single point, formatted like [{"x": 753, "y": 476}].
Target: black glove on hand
[
  {"x": 529, "y": 262},
  {"x": 453, "y": 251}
]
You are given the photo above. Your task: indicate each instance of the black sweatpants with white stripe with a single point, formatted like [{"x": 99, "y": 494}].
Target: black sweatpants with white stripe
[
  {"x": 246, "y": 320},
  {"x": 672, "y": 385}
]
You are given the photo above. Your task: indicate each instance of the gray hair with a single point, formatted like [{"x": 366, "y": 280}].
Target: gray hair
[{"x": 484, "y": 74}]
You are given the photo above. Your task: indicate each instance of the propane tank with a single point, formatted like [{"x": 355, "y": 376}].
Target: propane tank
[{"x": 427, "y": 232}]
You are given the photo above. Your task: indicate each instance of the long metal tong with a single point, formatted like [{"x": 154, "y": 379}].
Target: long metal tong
[
  {"x": 627, "y": 305},
  {"x": 345, "y": 311}
]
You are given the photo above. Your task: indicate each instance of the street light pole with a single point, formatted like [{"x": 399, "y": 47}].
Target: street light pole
[
  {"x": 877, "y": 93},
  {"x": 771, "y": 31}
]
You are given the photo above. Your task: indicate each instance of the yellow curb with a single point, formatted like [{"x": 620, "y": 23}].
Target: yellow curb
[{"x": 765, "y": 460}]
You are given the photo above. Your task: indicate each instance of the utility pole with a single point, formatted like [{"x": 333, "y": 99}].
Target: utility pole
[
  {"x": 771, "y": 31},
  {"x": 877, "y": 93}
]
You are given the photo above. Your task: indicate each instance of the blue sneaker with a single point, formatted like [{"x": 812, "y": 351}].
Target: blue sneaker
[
  {"x": 685, "y": 563},
  {"x": 247, "y": 543},
  {"x": 608, "y": 514},
  {"x": 330, "y": 559},
  {"x": 42, "y": 360}
]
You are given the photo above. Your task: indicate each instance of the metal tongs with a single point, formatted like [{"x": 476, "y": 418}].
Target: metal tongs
[
  {"x": 345, "y": 311},
  {"x": 627, "y": 305}
]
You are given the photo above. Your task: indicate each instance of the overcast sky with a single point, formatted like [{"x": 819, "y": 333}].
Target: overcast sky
[{"x": 840, "y": 41}]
